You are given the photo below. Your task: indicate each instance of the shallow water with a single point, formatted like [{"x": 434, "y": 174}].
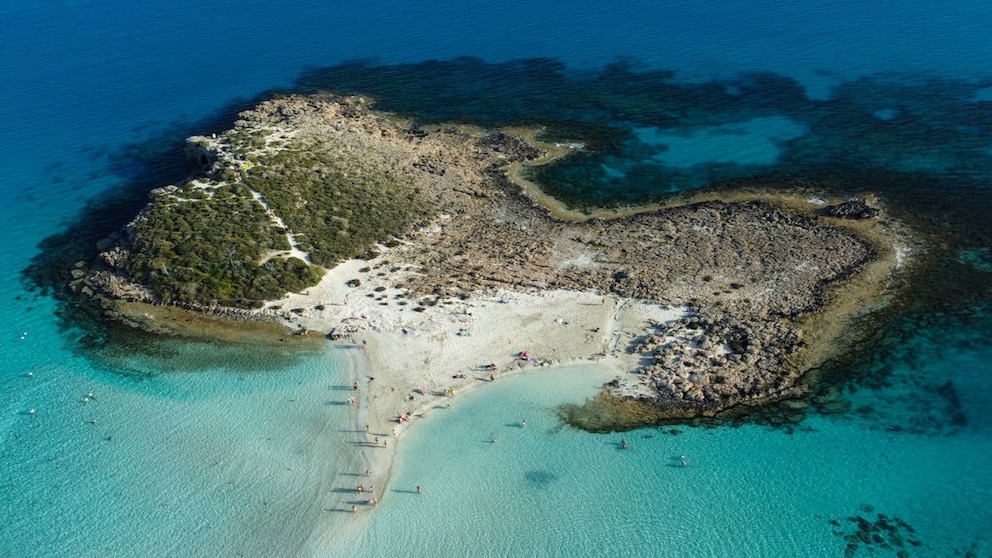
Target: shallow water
[
  {"x": 547, "y": 490},
  {"x": 213, "y": 455},
  {"x": 207, "y": 462}
]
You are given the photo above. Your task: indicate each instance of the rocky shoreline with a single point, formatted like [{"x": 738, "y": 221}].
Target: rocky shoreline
[{"x": 768, "y": 276}]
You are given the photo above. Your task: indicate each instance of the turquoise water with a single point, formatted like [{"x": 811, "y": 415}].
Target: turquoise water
[
  {"x": 210, "y": 462},
  {"x": 545, "y": 490},
  {"x": 250, "y": 457}
]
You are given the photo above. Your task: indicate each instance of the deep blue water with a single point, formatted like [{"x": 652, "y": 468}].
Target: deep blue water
[{"x": 894, "y": 97}]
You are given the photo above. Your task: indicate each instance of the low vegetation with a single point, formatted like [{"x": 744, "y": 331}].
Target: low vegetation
[
  {"x": 336, "y": 207},
  {"x": 211, "y": 242}
]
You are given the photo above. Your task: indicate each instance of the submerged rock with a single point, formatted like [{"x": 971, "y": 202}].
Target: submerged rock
[{"x": 851, "y": 209}]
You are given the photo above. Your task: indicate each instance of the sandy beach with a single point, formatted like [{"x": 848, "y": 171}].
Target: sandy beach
[{"x": 415, "y": 363}]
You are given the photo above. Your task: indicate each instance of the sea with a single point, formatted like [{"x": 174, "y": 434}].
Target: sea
[{"x": 113, "y": 444}]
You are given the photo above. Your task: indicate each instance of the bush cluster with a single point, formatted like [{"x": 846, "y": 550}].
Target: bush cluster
[
  {"x": 211, "y": 245},
  {"x": 205, "y": 246},
  {"x": 337, "y": 208}
]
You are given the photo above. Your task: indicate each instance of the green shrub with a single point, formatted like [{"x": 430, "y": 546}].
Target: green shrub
[{"x": 208, "y": 245}]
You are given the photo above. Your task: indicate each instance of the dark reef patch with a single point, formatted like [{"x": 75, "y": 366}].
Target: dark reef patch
[
  {"x": 540, "y": 478},
  {"x": 878, "y": 534},
  {"x": 870, "y": 535},
  {"x": 138, "y": 354},
  {"x": 902, "y": 129},
  {"x": 897, "y": 382}
]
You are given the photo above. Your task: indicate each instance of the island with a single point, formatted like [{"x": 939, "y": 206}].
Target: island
[{"x": 432, "y": 253}]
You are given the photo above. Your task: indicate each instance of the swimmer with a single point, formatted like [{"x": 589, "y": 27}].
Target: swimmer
[
  {"x": 419, "y": 490},
  {"x": 354, "y": 509},
  {"x": 368, "y": 472},
  {"x": 623, "y": 443},
  {"x": 682, "y": 458},
  {"x": 523, "y": 423},
  {"x": 31, "y": 411},
  {"x": 93, "y": 421}
]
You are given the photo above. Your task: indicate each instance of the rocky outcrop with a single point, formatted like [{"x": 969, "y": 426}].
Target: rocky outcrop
[
  {"x": 709, "y": 363},
  {"x": 851, "y": 209}
]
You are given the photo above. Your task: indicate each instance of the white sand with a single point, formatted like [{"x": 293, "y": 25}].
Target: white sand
[{"x": 447, "y": 347}]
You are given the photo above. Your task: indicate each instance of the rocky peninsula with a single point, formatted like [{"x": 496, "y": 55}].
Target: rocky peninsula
[{"x": 428, "y": 246}]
